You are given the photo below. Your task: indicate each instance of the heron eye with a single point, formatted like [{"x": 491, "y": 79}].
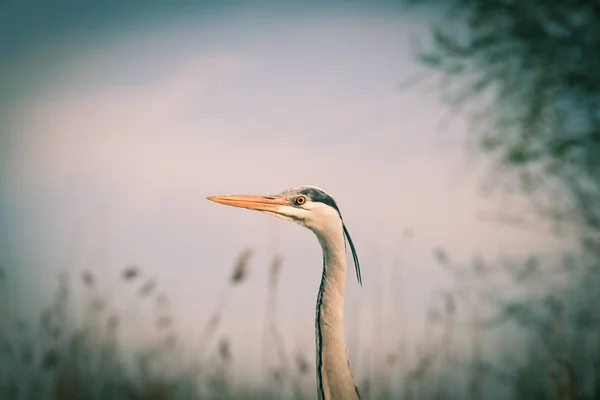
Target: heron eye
[{"x": 300, "y": 200}]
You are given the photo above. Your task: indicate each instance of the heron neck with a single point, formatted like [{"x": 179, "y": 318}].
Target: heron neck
[{"x": 334, "y": 377}]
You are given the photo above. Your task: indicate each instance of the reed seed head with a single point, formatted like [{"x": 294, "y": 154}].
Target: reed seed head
[
  {"x": 241, "y": 268},
  {"x": 131, "y": 272},
  {"x": 301, "y": 364},
  {"x": 275, "y": 269},
  {"x": 147, "y": 288},
  {"x": 224, "y": 350},
  {"x": 88, "y": 278}
]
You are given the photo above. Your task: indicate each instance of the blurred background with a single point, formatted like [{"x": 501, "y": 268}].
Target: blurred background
[{"x": 460, "y": 139}]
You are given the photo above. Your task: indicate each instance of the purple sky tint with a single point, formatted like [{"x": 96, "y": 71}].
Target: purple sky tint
[{"x": 114, "y": 139}]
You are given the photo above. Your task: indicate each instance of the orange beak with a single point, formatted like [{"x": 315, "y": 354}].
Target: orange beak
[{"x": 259, "y": 203}]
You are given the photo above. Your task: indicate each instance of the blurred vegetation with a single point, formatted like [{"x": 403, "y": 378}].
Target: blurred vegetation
[
  {"x": 69, "y": 356},
  {"x": 528, "y": 73},
  {"x": 81, "y": 353}
]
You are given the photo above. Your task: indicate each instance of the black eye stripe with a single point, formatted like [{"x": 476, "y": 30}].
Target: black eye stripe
[{"x": 320, "y": 197}]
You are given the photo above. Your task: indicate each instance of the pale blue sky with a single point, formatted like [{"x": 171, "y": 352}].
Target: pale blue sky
[{"x": 113, "y": 137}]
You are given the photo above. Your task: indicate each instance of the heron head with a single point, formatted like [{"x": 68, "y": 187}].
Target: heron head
[{"x": 308, "y": 206}]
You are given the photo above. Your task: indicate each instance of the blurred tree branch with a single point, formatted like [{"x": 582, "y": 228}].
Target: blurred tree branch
[{"x": 528, "y": 72}]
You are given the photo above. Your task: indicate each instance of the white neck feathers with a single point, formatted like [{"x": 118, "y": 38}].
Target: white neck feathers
[{"x": 334, "y": 377}]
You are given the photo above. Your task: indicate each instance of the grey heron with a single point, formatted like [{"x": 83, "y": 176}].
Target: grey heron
[{"x": 314, "y": 209}]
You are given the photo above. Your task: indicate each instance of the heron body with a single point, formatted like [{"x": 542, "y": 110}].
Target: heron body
[{"x": 314, "y": 209}]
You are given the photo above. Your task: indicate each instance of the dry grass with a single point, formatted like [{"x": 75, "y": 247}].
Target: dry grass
[{"x": 70, "y": 356}]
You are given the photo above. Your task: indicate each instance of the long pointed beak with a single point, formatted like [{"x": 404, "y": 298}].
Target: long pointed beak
[{"x": 251, "y": 202}]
